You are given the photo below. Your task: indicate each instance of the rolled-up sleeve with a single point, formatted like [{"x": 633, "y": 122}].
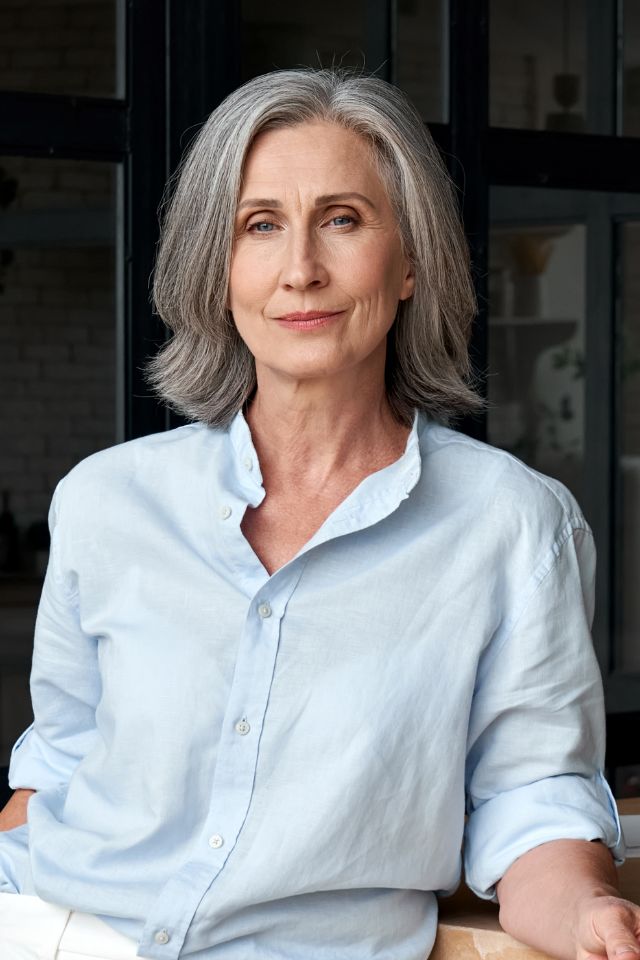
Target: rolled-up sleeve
[
  {"x": 536, "y": 734},
  {"x": 65, "y": 681}
]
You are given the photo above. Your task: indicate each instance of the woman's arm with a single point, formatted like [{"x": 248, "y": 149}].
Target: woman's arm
[
  {"x": 562, "y": 898},
  {"x": 14, "y": 812},
  {"x": 536, "y": 791},
  {"x": 65, "y": 679}
]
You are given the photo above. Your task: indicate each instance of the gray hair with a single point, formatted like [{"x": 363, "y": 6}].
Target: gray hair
[{"x": 205, "y": 371}]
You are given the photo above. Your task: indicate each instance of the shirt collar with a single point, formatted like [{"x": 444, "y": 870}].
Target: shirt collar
[{"x": 377, "y": 496}]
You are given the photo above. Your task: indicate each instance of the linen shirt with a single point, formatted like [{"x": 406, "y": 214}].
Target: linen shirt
[{"x": 232, "y": 765}]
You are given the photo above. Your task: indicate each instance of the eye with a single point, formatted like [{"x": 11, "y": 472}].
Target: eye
[
  {"x": 343, "y": 220},
  {"x": 261, "y": 226}
]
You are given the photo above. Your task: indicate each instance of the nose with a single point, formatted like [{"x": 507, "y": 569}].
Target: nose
[{"x": 303, "y": 265}]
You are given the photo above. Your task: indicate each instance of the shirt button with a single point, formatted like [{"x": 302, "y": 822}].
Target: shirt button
[
  {"x": 162, "y": 937},
  {"x": 216, "y": 841},
  {"x": 225, "y": 512},
  {"x": 248, "y": 462},
  {"x": 264, "y": 610},
  {"x": 242, "y": 727}
]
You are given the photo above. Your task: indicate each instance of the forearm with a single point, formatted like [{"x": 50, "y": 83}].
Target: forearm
[
  {"x": 15, "y": 811},
  {"x": 542, "y": 893}
]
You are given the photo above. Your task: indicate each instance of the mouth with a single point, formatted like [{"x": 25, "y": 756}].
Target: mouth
[{"x": 309, "y": 320}]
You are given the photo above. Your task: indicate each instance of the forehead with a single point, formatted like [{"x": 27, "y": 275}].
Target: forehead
[{"x": 320, "y": 155}]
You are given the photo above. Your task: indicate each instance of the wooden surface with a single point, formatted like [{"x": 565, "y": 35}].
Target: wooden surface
[{"x": 469, "y": 928}]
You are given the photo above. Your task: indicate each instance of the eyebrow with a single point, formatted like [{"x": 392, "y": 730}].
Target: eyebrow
[
  {"x": 259, "y": 202},
  {"x": 341, "y": 198},
  {"x": 321, "y": 201}
]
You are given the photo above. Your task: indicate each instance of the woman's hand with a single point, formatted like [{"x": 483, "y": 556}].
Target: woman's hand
[
  {"x": 607, "y": 926},
  {"x": 562, "y": 898},
  {"x": 14, "y": 813}
]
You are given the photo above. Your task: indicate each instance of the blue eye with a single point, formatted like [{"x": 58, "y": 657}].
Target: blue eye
[
  {"x": 342, "y": 216},
  {"x": 256, "y": 227}
]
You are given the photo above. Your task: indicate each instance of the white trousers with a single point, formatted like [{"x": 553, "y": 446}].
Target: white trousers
[{"x": 32, "y": 929}]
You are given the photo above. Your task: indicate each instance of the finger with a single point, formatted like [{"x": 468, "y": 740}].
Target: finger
[
  {"x": 619, "y": 935},
  {"x": 628, "y": 951}
]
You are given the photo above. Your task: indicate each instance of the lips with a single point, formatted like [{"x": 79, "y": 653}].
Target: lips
[
  {"x": 310, "y": 315},
  {"x": 310, "y": 319}
]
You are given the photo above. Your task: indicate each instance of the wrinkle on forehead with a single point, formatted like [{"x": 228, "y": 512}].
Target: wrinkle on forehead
[{"x": 345, "y": 164}]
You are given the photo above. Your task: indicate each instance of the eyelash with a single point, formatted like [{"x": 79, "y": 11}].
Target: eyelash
[{"x": 338, "y": 216}]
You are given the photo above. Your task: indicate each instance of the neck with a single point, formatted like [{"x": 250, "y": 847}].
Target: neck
[{"x": 309, "y": 431}]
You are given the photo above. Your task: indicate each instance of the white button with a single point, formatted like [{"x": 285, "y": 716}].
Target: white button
[
  {"x": 162, "y": 937},
  {"x": 242, "y": 727},
  {"x": 216, "y": 840},
  {"x": 264, "y": 610},
  {"x": 248, "y": 462},
  {"x": 225, "y": 512}
]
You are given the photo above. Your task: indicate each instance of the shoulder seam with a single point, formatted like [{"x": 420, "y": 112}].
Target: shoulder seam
[{"x": 542, "y": 570}]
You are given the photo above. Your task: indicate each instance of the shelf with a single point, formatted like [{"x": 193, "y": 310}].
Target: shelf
[{"x": 531, "y": 321}]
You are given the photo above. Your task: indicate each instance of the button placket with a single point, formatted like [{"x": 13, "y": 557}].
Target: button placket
[{"x": 235, "y": 773}]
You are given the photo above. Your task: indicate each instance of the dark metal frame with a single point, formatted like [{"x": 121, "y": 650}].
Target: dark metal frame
[
  {"x": 468, "y": 160},
  {"x": 41, "y": 125},
  {"x": 145, "y": 174}
]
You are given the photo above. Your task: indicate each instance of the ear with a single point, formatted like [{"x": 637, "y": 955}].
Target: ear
[{"x": 408, "y": 282}]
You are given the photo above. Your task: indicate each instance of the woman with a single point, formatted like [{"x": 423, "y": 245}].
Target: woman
[{"x": 276, "y": 647}]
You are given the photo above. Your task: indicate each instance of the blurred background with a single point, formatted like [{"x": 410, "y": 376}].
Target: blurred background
[{"x": 535, "y": 105}]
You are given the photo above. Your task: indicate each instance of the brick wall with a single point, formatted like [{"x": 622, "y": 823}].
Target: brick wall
[
  {"x": 57, "y": 369},
  {"x": 57, "y": 333},
  {"x": 51, "y": 46}
]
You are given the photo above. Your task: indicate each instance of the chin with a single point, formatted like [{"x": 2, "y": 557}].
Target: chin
[{"x": 308, "y": 367}]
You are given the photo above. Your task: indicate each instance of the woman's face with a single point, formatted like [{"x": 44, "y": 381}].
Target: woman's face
[{"x": 317, "y": 268}]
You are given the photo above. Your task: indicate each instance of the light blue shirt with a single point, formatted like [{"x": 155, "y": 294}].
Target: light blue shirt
[{"x": 232, "y": 765}]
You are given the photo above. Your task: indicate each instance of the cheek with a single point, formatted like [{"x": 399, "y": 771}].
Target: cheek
[
  {"x": 374, "y": 273},
  {"x": 249, "y": 283},
  {"x": 239, "y": 282}
]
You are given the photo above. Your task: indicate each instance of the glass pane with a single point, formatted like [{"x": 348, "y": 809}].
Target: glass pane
[
  {"x": 631, "y": 69},
  {"x": 629, "y": 446},
  {"x": 283, "y": 35},
  {"x": 538, "y": 64},
  {"x": 420, "y": 64},
  {"x": 60, "y": 46},
  {"x": 536, "y": 346},
  {"x": 57, "y": 376}
]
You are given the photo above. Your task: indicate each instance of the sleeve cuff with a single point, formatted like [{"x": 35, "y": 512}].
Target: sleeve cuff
[
  {"x": 36, "y": 766},
  {"x": 558, "y": 808}
]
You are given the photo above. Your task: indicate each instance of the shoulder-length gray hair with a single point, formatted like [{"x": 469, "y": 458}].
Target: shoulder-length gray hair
[{"x": 205, "y": 371}]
